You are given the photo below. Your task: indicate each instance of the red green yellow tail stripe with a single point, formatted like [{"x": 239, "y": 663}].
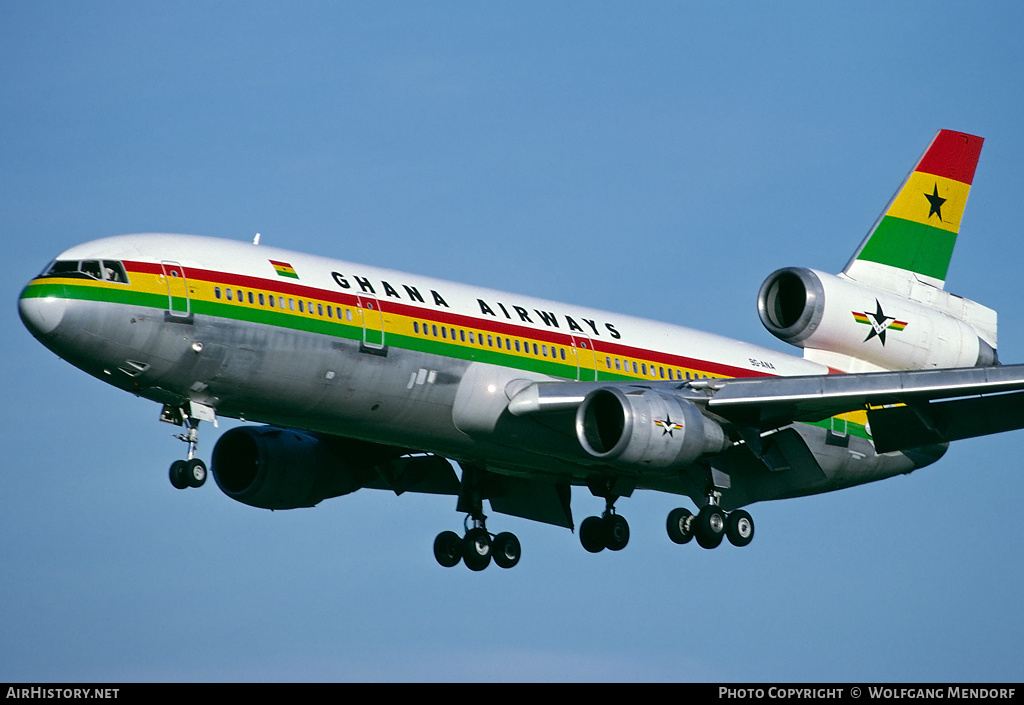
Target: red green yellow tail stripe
[{"x": 918, "y": 230}]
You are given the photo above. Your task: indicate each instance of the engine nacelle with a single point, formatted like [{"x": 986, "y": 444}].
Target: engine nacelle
[
  {"x": 276, "y": 468},
  {"x": 645, "y": 429},
  {"x": 812, "y": 309}
]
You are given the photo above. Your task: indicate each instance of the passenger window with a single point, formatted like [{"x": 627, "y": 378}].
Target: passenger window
[
  {"x": 228, "y": 292},
  {"x": 271, "y": 298},
  {"x": 216, "y": 292},
  {"x": 262, "y": 300}
]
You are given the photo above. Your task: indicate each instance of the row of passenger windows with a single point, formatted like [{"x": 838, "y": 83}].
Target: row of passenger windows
[
  {"x": 290, "y": 304},
  {"x": 557, "y": 352},
  {"x": 660, "y": 371},
  {"x": 491, "y": 341}
]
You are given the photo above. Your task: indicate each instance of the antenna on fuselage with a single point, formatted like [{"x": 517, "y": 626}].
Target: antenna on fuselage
[{"x": 256, "y": 240}]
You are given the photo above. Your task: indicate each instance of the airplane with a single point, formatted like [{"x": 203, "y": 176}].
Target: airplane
[{"x": 363, "y": 377}]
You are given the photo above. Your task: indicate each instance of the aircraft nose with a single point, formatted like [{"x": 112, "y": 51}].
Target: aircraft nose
[{"x": 41, "y": 315}]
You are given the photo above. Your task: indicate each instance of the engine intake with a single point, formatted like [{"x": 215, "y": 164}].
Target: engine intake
[{"x": 645, "y": 429}]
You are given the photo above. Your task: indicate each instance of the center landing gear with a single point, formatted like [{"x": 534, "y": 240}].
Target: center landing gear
[
  {"x": 190, "y": 472},
  {"x": 609, "y": 531}
]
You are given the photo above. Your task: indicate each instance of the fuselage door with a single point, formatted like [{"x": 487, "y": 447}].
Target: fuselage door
[
  {"x": 178, "y": 304},
  {"x": 373, "y": 321},
  {"x": 586, "y": 360}
]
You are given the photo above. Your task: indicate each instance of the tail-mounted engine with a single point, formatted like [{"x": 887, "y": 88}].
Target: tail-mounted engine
[
  {"x": 928, "y": 328},
  {"x": 645, "y": 429}
]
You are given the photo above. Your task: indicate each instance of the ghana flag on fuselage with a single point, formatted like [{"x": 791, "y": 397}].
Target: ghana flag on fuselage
[
  {"x": 284, "y": 269},
  {"x": 916, "y": 233}
]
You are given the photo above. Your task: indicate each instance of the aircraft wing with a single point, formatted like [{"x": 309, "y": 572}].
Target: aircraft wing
[{"x": 905, "y": 409}]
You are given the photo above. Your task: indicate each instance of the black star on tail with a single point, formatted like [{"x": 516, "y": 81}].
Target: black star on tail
[{"x": 936, "y": 202}]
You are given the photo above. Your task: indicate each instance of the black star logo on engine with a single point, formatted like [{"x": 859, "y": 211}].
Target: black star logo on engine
[
  {"x": 936, "y": 202},
  {"x": 668, "y": 425},
  {"x": 879, "y": 324}
]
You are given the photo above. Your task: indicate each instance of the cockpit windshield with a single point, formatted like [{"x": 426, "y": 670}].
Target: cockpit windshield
[{"x": 102, "y": 270}]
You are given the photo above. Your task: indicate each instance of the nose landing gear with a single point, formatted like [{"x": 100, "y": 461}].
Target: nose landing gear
[{"x": 190, "y": 472}]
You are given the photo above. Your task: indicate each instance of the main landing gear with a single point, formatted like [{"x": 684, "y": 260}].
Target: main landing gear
[
  {"x": 477, "y": 546},
  {"x": 710, "y": 526},
  {"x": 190, "y": 472}
]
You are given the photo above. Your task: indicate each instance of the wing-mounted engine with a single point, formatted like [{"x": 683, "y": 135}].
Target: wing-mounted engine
[
  {"x": 279, "y": 468},
  {"x": 926, "y": 328},
  {"x": 645, "y": 429}
]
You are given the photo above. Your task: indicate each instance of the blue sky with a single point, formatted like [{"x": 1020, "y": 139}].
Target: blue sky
[{"x": 657, "y": 159}]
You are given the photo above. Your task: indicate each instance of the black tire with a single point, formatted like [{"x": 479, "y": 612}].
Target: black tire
[
  {"x": 616, "y": 532},
  {"x": 739, "y": 527},
  {"x": 476, "y": 549},
  {"x": 680, "y": 525},
  {"x": 195, "y": 472},
  {"x": 448, "y": 549},
  {"x": 179, "y": 477},
  {"x": 710, "y": 526},
  {"x": 592, "y": 534},
  {"x": 506, "y": 550}
]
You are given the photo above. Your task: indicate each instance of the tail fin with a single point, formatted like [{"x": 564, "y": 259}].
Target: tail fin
[{"x": 914, "y": 237}]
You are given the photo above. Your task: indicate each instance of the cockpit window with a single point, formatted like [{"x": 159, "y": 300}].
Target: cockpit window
[
  {"x": 113, "y": 271},
  {"x": 92, "y": 268},
  {"x": 105, "y": 270},
  {"x": 61, "y": 267}
]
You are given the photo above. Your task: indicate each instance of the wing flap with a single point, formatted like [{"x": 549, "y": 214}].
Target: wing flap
[
  {"x": 772, "y": 402},
  {"x": 915, "y": 425}
]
